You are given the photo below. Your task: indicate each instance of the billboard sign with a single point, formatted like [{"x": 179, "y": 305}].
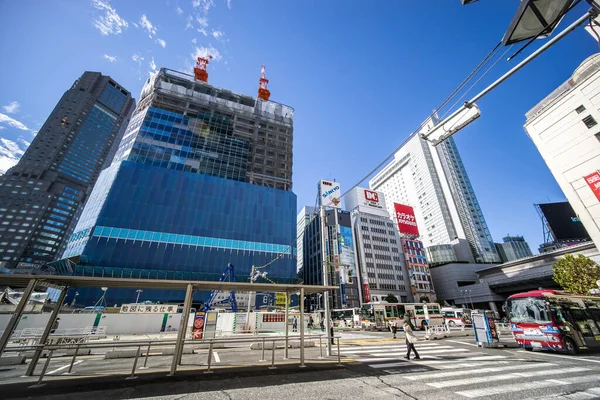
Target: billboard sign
[
  {"x": 148, "y": 309},
  {"x": 346, "y": 250},
  {"x": 198, "y": 328},
  {"x": 405, "y": 216},
  {"x": 593, "y": 181},
  {"x": 330, "y": 194},
  {"x": 367, "y": 201},
  {"x": 563, "y": 222}
]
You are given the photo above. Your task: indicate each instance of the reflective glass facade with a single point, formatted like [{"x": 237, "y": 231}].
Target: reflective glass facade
[{"x": 181, "y": 200}]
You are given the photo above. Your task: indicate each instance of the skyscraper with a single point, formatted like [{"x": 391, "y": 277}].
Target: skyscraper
[
  {"x": 513, "y": 248},
  {"x": 201, "y": 179},
  {"x": 433, "y": 180},
  {"x": 42, "y": 196},
  {"x": 302, "y": 220}
]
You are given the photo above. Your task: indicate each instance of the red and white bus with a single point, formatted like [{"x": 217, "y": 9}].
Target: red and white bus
[{"x": 554, "y": 320}]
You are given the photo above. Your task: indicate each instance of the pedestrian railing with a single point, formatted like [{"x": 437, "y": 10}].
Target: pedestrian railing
[
  {"x": 144, "y": 348},
  {"x": 34, "y": 333}
]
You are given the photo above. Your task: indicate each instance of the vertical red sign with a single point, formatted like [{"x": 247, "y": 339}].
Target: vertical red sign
[
  {"x": 407, "y": 223},
  {"x": 593, "y": 181},
  {"x": 198, "y": 329},
  {"x": 367, "y": 293}
]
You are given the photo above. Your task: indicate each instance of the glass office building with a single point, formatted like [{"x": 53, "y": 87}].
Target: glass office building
[
  {"x": 191, "y": 189},
  {"x": 43, "y": 195}
]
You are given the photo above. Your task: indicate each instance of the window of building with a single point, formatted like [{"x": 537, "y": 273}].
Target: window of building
[
  {"x": 580, "y": 109},
  {"x": 589, "y": 121}
]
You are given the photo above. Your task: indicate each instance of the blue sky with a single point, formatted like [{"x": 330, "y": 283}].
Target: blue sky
[{"x": 360, "y": 78}]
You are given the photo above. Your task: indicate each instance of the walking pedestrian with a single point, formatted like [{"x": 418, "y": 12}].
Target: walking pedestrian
[
  {"x": 408, "y": 321},
  {"x": 394, "y": 327},
  {"x": 55, "y": 325},
  {"x": 310, "y": 322},
  {"x": 411, "y": 339},
  {"x": 322, "y": 323},
  {"x": 331, "y": 331},
  {"x": 295, "y": 325}
]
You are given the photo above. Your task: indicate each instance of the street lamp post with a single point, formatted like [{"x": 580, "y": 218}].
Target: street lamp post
[
  {"x": 74, "y": 298},
  {"x": 471, "y": 299},
  {"x": 137, "y": 299},
  {"x": 464, "y": 293},
  {"x": 254, "y": 275}
]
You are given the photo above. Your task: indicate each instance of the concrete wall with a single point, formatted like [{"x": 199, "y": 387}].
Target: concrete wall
[{"x": 446, "y": 278}]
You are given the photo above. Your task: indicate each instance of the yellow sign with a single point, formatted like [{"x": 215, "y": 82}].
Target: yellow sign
[{"x": 280, "y": 299}]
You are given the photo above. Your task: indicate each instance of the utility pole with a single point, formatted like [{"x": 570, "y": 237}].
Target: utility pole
[
  {"x": 137, "y": 299},
  {"x": 325, "y": 278}
]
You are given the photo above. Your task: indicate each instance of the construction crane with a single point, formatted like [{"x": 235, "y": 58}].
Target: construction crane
[
  {"x": 227, "y": 275},
  {"x": 200, "y": 68},
  {"x": 263, "y": 92}
]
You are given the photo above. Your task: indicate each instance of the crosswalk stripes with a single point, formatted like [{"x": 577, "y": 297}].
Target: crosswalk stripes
[{"x": 474, "y": 373}]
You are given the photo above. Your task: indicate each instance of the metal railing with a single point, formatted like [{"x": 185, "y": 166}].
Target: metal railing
[
  {"x": 34, "y": 333},
  {"x": 143, "y": 348}
]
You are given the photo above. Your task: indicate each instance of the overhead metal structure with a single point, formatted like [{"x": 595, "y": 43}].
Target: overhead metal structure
[{"x": 30, "y": 282}]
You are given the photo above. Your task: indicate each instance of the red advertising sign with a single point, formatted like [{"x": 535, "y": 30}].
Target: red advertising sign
[
  {"x": 198, "y": 329},
  {"x": 407, "y": 223},
  {"x": 371, "y": 196},
  {"x": 367, "y": 293},
  {"x": 593, "y": 181}
]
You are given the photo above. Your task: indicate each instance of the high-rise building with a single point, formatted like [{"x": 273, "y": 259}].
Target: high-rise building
[
  {"x": 513, "y": 248},
  {"x": 433, "y": 180},
  {"x": 340, "y": 258},
  {"x": 201, "y": 179},
  {"x": 42, "y": 196},
  {"x": 302, "y": 220},
  {"x": 379, "y": 251},
  {"x": 564, "y": 127}
]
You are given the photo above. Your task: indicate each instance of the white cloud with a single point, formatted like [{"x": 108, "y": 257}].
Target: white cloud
[
  {"x": 229, "y": 4},
  {"x": 152, "y": 66},
  {"x": 204, "y": 52},
  {"x": 10, "y": 153},
  {"x": 135, "y": 25},
  {"x": 217, "y": 34},
  {"x": 202, "y": 31},
  {"x": 188, "y": 24},
  {"x": 109, "y": 23},
  {"x": 111, "y": 59},
  {"x": 146, "y": 24},
  {"x": 23, "y": 142},
  {"x": 179, "y": 10},
  {"x": 203, "y": 21},
  {"x": 205, "y": 5},
  {"x": 5, "y": 119},
  {"x": 194, "y": 40},
  {"x": 12, "y": 108},
  {"x": 161, "y": 42},
  {"x": 137, "y": 59}
]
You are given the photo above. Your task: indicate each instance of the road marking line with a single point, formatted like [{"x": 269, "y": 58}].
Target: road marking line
[
  {"x": 517, "y": 387},
  {"x": 394, "y": 346},
  {"x": 63, "y": 367},
  {"x": 567, "y": 357},
  {"x": 217, "y": 359},
  {"x": 476, "y": 371},
  {"x": 459, "y": 342},
  {"x": 505, "y": 377},
  {"x": 366, "y": 360},
  {"x": 399, "y": 348}
]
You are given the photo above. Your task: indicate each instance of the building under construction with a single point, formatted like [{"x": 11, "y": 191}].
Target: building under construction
[{"x": 201, "y": 179}]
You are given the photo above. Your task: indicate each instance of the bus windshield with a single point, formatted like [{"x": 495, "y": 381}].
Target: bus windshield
[{"x": 528, "y": 310}]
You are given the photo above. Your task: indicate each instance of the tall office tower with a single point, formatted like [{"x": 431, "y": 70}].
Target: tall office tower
[
  {"x": 201, "y": 179},
  {"x": 42, "y": 196},
  {"x": 379, "y": 251},
  {"x": 340, "y": 257},
  {"x": 513, "y": 248},
  {"x": 564, "y": 127},
  {"x": 434, "y": 182},
  {"x": 302, "y": 220}
]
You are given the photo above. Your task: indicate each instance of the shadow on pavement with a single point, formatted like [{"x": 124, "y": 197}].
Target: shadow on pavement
[{"x": 159, "y": 384}]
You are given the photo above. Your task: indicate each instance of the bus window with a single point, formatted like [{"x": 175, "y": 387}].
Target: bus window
[
  {"x": 401, "y": 310},
  {"x": 388, "y": 311},
  {"x": 419, "y": 310},
  {"x": 448, "y": 314},
  {"x": 434, "y": 309}
]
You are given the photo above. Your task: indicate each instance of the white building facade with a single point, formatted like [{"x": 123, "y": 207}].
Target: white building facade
[
  {"x": 564, "y": 127},
  {"x": 434, "y": 182},
  {"x": 302, "y": 220},
  {"x": 378, "y": 248}
]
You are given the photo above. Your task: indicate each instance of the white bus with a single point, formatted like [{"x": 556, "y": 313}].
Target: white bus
[
  {"x": 456, "y": 316},
  {"x": 421, "y": 315}
]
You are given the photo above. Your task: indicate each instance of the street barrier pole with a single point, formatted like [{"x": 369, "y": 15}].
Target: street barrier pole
[
  {"x": 137, "y": 355},
  {"x": 301, "y": 328},
  {"x": 338, "y": 351},
  {"x": 209, "y": 361},
  {"x": 39, "y": 382},
  {"x": 147, "y": 355},
  {"x": 187, "y": 305},
  {"x": 262, "y": 359},
  {"x": 273, "y": 357},
  {"x": 14, "y": 320},
  {"x": 73, "y": 360},
  {"x": 320, "y": 347},
  {"x": 287, "y": 328}
]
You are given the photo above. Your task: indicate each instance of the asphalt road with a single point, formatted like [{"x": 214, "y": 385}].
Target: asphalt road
[{"x": 373, "y": 368}]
